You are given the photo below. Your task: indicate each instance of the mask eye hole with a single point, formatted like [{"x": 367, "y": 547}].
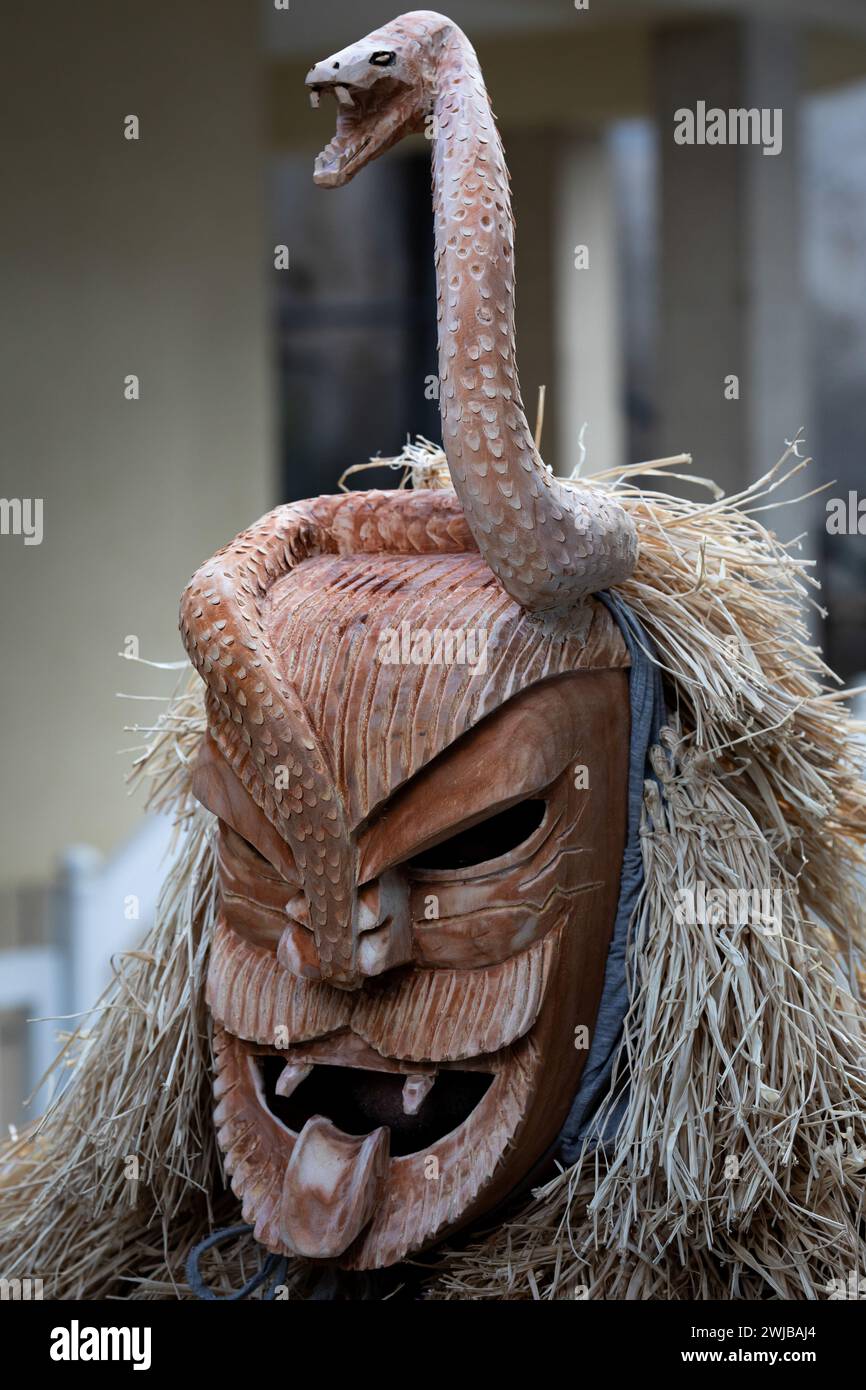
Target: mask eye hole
[
  {"x": 240, "y": 844},
  {"x": 240, "y": 849},
  {"x": 256, "y": 854},
  {"x": 489, "y": 840},
  {"x": 382, "y": 59}
]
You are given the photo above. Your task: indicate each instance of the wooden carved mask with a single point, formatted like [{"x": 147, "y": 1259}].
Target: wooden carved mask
[
  {"x": 417, "y": 751},
  {"x": 421, "y": 802}
]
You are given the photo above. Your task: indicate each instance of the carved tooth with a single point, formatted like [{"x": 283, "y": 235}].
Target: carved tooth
[
  {"x": 344, "y": 96},
  {"x": 315, "y": 98},
  {"x": 291, "y": 1076},
  {"x": 416, "y": 1089}
]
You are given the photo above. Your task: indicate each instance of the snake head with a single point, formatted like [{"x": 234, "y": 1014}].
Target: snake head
[{"x": 383, "y": 87}]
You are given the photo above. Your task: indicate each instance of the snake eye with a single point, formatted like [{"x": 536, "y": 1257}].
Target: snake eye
[{"x": 382, "y": 59}]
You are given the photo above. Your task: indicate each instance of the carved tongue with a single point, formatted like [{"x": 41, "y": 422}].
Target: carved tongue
[{"x": 333, "y": 1184}]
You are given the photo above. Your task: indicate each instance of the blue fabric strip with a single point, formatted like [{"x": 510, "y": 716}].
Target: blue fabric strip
[{"x": 647, "y": 718}]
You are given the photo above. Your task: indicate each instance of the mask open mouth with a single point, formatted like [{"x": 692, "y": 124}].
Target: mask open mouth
[
  {"x": 338, "y": 1152},
  {"x": 418, "y": 1110},
  {"x": 369, "y": 120}
]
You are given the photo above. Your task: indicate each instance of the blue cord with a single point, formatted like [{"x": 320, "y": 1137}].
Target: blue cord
[{"x": 273, "y": 1271}]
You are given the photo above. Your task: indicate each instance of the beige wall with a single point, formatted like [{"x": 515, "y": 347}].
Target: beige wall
[{"x": 119, "y": 257}]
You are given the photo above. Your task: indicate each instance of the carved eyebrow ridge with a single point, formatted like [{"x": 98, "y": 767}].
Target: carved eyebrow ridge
[{"x": 391, "y": 835}]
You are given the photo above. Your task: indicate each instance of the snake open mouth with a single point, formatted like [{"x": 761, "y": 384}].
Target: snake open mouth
[{"x": 369, "y": 120}]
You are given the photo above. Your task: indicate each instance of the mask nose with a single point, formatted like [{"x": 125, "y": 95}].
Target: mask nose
[{"x": 381, "y": 924}]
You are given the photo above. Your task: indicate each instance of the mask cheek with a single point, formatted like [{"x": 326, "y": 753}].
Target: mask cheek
[
  {"x": 262, "y": 907},
  {"x": 483, "y": 915},
  {"x": 252, "y": 901},
  {"x": 473, "y": 926}
]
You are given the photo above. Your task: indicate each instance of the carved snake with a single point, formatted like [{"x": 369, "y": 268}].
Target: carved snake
[{"x": 549, "y": 544}]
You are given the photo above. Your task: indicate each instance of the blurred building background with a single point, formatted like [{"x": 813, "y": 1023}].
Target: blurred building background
[{"x": 155, "y": 258}]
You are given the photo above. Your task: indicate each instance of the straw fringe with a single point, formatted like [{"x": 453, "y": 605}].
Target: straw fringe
[{"x": 738, "y": 1168}]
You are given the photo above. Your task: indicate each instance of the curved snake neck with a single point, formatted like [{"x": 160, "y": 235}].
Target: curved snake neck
[{"x": 549, "y": 545}]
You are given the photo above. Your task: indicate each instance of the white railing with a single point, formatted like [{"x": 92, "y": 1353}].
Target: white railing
[{"x": 101, "y": 906}]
